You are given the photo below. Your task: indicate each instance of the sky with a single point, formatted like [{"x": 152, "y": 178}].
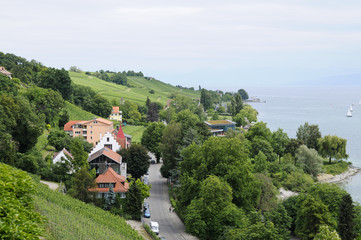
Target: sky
[{"x": 215, "y": 44}]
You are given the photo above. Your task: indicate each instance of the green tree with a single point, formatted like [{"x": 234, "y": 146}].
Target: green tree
[
  {"x": 7, "y": 85},
  {"x": 332, "y": 147},
  {"x": 259, "y": 130},
  {"x": 153, "y": 112},
  {"x": 109, "y": 199},
  {"x": 57, "y": 80},
  {"x": 309, "y": 134},
  {"x": 236, "y": 104},
  {"x": 309, "y": 160},
  {"x": 346, "y": 218},
  {"x": 325, "y": 233},
  {"x": 267, "y": 199},
  {"x": 311, "y": 215},
  {"x": 171, "y": 141},
  {"x": 79, "y": 154},
  {"x": 136, "y": 157},
  {"x": 281, "y": 221},
  {"x": 81, "y": 182},
  {"x": 206, "y": 99},
  {"x": 59, "y": 139},
  {"x": 243, "y": 94},
  {"x": 152, "y": 137},
  {"x": 247, "y": 115},
  {"x": 279, "y": 142},
  {"x": 134, "y": 201},
  {"x": 63, "y": 118},
  {"x": 260, "y": 163}
]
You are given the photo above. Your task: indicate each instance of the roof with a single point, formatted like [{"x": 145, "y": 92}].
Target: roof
[
  {"x": 68, "y": 125},
  {"x": 102, "y": 120},
  {"x": 65, "y": 152},
  {"x": 5, "y": 72},
  {"x": 115, "y": 109},
  {"x": 219, "y": 122},
  {"x": 120, "y": 132},
  {"x": 110, "y": 176},
  {"x": 108, "y": 153}
]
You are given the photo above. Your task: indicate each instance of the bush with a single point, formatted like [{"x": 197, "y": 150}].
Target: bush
[{"x": 336, "y": 168}]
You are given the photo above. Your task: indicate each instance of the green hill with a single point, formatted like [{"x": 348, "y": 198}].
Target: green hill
[
  {"x": 137, "y": 93},
  {"x": 69, "y": 218}
]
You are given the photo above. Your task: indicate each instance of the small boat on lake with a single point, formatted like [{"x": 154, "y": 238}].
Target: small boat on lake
[
  {"x": 349, "y": 113},
  {"x": 351, "y": 108}
]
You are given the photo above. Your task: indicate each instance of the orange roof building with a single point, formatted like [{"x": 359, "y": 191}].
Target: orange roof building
[
  {"x": 116, "y": 114},
  {"x": 91, "y": 130},
  {"x": 107, "y": 179},
  {"x": 106, "y": 158}
]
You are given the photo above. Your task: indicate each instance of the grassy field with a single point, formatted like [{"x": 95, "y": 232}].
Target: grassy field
[
  {"x": 135, "y": 131},
  {"x": 77, "y": 113},
  {"x": 137, "y": 93}
]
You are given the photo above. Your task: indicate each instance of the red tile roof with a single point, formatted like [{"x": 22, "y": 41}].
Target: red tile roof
[
  {"x": 115, "y": 109},
  {"x": 102, "y": 120},
  {"x": 68, "y": 125},
  {"x": 110, "y": 176},
  {"x": 120, "y": 132},
  {"x": 107, "y": 152}
]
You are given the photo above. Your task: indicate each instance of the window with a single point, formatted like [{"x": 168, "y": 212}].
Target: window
[
  {"x": 107, "y": 139},
  {"x": 91, "y": 138},
  {"x": 91, "y": 132}
]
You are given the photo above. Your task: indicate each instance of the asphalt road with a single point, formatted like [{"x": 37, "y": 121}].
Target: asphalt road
[{"x": 170, "y": 226}]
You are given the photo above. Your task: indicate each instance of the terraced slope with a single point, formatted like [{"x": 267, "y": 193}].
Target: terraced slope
[{"x": 137, "y": 93}]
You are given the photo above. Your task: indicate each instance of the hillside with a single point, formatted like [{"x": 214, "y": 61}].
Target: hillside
[
  {"x": 69, "y": 218},
  {"x": 137, "y": 93}
]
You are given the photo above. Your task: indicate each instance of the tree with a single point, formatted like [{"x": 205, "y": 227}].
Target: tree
[
  {"x": 267, "y": 198},
  {"x": 63, "y": 118},
  {"x": 309, "y": 134},
  {"x": 100, "y": 106},
  {"x": 134, "y": 201},
  {"x": 279, "y": 142},
  {"x": 325, "y": 233},
  {"x": 57, "y": 80},
  {"x": 136, "y": 157},
  {"x": 81, "y": 182},
  {"x": 59, "y": 139},
  {"x": 110, "y": 199},
  {"x": 79, "y": 154},
  {"x": 312, "y": 213},
  {"x": 247, "y": 115},
  {"x": 243, "y": 94},
  {"x": 206, "y": 99},
  {"x": 259, "y": 130},
  {"x": 281, "y": 221},
  {"x": 236, "y": 104},
  {"x": 153, "y": 112},
  {"x": 260, "y": 163},
  {"x": 309, "y": 160},
  {"x": 346, "y": 218},
  {"x": 7, "y": 85},
  {"x": 332, "y": 147},
  {"x": 152, "y": 137},
  {"x": 171, "y": 140}
]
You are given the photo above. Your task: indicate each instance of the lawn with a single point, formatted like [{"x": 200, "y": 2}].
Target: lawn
[
  {"x": 137, "y": 93},
  {"x": 135, "y": 131}
]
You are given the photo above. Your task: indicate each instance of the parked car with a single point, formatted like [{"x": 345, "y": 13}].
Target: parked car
[
  {"x": 147, "y": 213},
  {"x": 154, "y": 226},
  {"x": 145, "y": 205}
]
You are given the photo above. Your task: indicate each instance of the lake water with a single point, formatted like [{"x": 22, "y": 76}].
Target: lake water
[{"x": 289, "y": 107}]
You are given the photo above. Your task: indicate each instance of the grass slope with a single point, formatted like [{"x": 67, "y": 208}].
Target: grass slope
[
  {"x": 137, "y": 93},
  {"x": 69, "y": 218},
  {"x": 77, "y": 113}
]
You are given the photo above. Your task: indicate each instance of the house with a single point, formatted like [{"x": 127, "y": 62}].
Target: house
[
  {"x": 106, "y": 158},
  {"x": 219, "y": 127},
  {"x": 107, "y": 179},
  {"x": 3, "y": 71},
  {"x": 91, "y": 130},
  {"x": 109, "y": 141},
  {"x": 123, "y": 139},
  {"x": 63, "y": 154},
  {"x": 116, "y": 114}
]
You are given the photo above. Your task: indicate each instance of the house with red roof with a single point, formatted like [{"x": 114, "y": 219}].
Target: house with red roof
[
  {"x": 106, "y": 158},
  {"x": 91, "y": 130},
  {"x": 110, "y": 178},
  {"x": 116, "y": 114},
  {"x": 3, "y": 71}
]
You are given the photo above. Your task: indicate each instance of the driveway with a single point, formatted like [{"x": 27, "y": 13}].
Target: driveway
[{"x": 170, "y": 226}]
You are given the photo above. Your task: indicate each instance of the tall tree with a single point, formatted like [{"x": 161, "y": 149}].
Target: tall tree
[
  {"x": 57, "y": 80},
  {"x": 309, "y": 134},
  {"x": 346, "y": 218},
  {"x": 80, "y": 183},
  {"x": 153, "y": 112},
  {"x": 171, "y": 141},
  {"x": 137, "y": 159},
  {"x": 332, "y": 147},
  {"x": 152, "y": 137},
  {"x": 134, "y": 201},
  {"x": 325, "y": 233}
]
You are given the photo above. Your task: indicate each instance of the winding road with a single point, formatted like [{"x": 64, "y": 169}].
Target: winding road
[{"x": 170, "y": 226}]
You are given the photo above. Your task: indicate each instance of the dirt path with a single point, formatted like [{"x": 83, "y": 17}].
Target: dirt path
[
  {"x": 52, "y": 185},
  {"x": 137, "y": 225}
]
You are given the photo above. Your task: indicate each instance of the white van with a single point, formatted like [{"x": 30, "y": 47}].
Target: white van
[{"x": 154, "y": 226}]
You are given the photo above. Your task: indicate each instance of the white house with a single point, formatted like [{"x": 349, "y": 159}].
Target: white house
[
  {"x": 108, "y": 140},
  {"x": 62, "y": 154}
]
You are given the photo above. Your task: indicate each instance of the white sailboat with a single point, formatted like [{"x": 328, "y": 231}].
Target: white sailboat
[
  {"x": 351, "y": 108},
  {"x": 349, "y": 114}
]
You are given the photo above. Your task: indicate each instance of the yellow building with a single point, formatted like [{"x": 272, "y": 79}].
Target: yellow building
[{"x": 116, "y": 114}]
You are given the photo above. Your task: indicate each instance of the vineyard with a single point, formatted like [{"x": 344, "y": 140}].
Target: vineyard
[{"x": 69, "y": 218}]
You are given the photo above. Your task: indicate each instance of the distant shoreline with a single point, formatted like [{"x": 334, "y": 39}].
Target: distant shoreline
[{"x": 329, "y": 178}]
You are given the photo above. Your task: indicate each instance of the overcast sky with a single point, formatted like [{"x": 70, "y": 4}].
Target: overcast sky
[{"x": 215, "y": 44}]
